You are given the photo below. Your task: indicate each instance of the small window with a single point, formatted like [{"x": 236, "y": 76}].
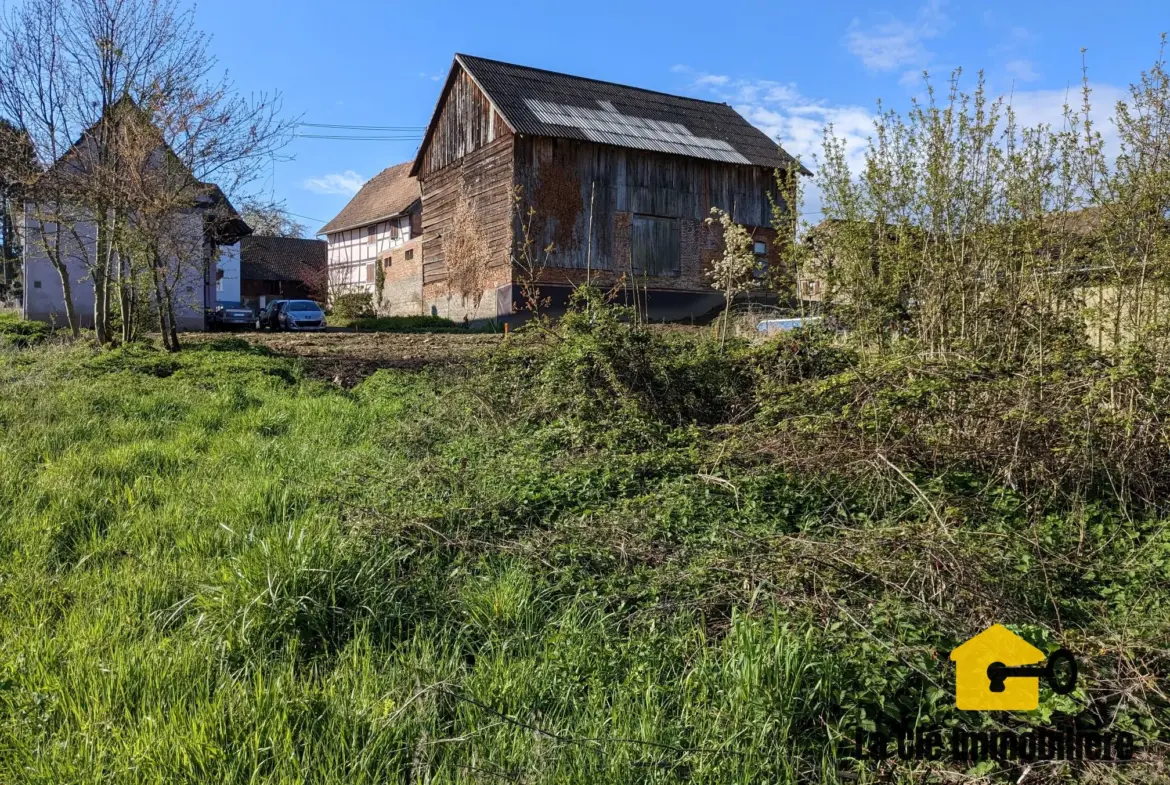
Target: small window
[
  {"x": 371, "y": 235},
  {"x": 393, "y": 230},
  {"x": 386, "y": 263},
  {"x": 409, "y": 255},
  {"x": 760, "y": 248},
  {"x": 36, "y": 284},
  {"x": 370, "y": 272},
  {"x": 655, "y": 246}
]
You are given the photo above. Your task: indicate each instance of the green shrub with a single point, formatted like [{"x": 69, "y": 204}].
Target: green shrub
[
  {"x": 398, "y": 324},
  {"x": 352, "y": 305},
  {"x": 598, "y": 371},
  {"x": 18, "y": 333}
]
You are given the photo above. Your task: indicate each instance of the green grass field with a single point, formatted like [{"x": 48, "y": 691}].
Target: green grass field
[{"x": 214, "y": 568}]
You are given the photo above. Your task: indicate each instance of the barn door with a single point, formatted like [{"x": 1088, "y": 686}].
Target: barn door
[{"x": 654, "y": 246}]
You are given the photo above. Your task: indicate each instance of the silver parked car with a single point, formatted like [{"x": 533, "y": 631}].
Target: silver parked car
[{"x": 301, "y": 315}]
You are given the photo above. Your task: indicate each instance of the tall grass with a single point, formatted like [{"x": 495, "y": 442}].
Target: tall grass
[{"x": 213, "y": 569}]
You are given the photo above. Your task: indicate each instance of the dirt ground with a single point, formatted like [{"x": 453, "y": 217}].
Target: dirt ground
[{"x": 345, "y": 358}]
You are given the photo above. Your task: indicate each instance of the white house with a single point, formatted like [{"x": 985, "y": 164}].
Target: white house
[
  {"x": 194, "y": 235},
  {"x": 227, "y": 274},
  {"x": 384, "y": 215}
]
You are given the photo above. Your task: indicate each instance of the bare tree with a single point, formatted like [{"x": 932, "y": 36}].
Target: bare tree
[
  {"x": 17, "y": 167},
  {"x": 134, "y": 82}
]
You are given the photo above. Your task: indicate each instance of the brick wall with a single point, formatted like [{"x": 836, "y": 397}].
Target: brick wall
[{"x": 402, "y": 291}]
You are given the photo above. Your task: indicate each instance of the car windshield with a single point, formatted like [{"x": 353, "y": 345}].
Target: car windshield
[
  {"x": 230, "y": 305},
  {"x": 304, "y": 305}
]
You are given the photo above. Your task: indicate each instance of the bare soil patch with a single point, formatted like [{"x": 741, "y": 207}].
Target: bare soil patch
[{"x": 346, "y": 358}]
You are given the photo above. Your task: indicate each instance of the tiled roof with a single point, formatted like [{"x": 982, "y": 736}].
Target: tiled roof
[
  {"x": 282, "y": 259},
  {"x": 550, "y": 104},
  {"x": 388, "y": 194}
]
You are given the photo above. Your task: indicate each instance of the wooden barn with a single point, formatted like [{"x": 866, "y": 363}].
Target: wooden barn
[{"x": 616, "y": 179}]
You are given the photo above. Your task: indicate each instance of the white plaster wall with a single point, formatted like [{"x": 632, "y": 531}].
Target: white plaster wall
[{"x": 227, "y": 287}]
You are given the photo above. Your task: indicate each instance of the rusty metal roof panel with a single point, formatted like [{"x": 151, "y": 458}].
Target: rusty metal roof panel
[{"x": 545, "y": 103}]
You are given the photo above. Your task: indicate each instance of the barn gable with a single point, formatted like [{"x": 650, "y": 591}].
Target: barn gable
[{"x": 490, "y": 95}]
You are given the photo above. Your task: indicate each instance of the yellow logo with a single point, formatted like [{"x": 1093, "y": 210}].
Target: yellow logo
[{"x": 991, "y": 672}]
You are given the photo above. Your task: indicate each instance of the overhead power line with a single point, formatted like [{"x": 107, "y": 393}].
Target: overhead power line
[
  {"x": 362, "y": 138},
  {"x": 411, "y": 128}
]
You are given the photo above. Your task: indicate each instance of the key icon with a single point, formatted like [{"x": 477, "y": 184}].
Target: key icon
[{"x": 998, "y": 673}]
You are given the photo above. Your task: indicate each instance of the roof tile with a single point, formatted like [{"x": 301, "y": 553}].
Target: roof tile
[
  {"x": 390, "y": 193},
  {"x": 282, "y": 259}
]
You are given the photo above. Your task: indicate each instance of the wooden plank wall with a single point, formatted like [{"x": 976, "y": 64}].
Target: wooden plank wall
[
  {"x": 631, "y": 181},
  {"x": 466, "y": 123},
  {"x": 485, "y": 176}
]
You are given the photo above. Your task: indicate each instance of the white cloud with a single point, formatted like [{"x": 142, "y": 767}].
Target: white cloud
[
  {"x": 781, "y": 111},
  {"x": 891, "y": 43},
  {"x": 347, "y": 183},
  {"x": 794, "y": 120},
  {"x": 712, "y": 80},
  {"x": 1022, "y": 70}
]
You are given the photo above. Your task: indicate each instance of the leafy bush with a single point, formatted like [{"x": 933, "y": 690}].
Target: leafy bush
[
  {"x": 352, "y": 305},
  {"x": 598, "y": 368},
  {"x": 18, "y": 333},
  {"x": 398, "y": 324}
]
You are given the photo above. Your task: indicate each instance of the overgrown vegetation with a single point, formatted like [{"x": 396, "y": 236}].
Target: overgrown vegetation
[
  {"x": 604, "y": 553},
  {"x": 608, "y": 553},
  {"x": 397, "y": 324},
  {"x": 16, "y": 332},
  {"x": 971, "y": 233}
]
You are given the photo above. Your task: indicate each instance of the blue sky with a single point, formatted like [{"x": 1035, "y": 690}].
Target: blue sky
[{"x": 789, "y": 67}]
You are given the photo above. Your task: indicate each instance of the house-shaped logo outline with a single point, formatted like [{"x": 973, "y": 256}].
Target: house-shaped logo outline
[{"x": 972, "y": 684}]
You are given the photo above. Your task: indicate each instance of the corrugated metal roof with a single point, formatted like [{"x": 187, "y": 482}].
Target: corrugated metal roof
[{"x": 546, "y": 103}]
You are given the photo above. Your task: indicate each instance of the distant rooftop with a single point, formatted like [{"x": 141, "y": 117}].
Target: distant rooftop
[
  {"x": 282, "y": 258},
  {"x": 390, "y": 193}
]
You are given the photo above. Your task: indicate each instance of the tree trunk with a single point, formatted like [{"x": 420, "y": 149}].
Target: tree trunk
[
  {"x": 67, "y": 295},
  {"x": 103, "y": 268},
  {"x": 99, "y": 311},
  {"x": 126, "y": 299},
  {"x": 171, "y": 318},
  {"x": 160, "y": 304},
  {"x": 66, "y": 288}
]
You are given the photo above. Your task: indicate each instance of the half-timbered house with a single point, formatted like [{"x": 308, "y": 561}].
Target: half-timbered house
[
  {"x": 563, "y": 179},
  {"x": 382, "y": 221}
]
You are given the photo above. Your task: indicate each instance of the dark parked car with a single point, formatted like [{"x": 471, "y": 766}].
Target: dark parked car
[
  {"x": 229, "y": 315},
  {"x": 301, "y": 315},
  {"x": 269, "y": 314}
]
